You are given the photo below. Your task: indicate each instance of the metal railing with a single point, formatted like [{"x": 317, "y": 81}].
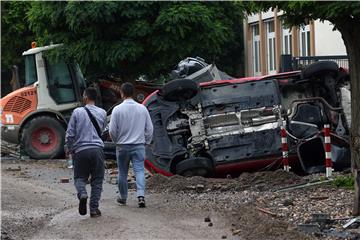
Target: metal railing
[{"x": 299, "y": 63}]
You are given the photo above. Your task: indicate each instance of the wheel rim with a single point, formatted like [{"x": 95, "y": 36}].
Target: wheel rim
[
  {"x": 44, "y": 139},
  {"x": 140, "y": 97}
]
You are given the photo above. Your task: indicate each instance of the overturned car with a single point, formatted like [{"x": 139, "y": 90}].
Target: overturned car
[{"x": 228, "y": 126}]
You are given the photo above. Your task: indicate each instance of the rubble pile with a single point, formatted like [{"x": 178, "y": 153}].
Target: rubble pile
[
  {"x": 258, "y": 181},
  {"x": 298, "y": 206},
  {"x": 270, "y": 199},
  {"x": 9, "y": 149},
  {"x": 250, "y": 223}
]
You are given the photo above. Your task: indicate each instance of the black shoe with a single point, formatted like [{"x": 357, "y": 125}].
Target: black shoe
[
  {"x": 141, "y": 202},
  {"x": 82, "y": 204},
  {"x": 95, "y": 213},
  {"x": 122, "y": 202}
]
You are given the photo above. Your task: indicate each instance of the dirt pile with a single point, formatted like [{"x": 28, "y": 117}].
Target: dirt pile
[
  {"x": 250, "y": 223},
  {"x": 260, "y": 181}
]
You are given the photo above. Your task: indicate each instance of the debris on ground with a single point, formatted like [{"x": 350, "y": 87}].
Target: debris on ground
[
  {"x": 350, "y": 222},
  {"x": 110, "y": 164},
  {"x": 250, "y": 223},
  {"x": 64, "y": 180},
  {"x": 309, "y": 210},
  {"x": 9, "y": 149},
  {"x": 112, "y": 176},
  {"x": 324, "y": 227},
  {"x": 13, "y": 169},
  {"x": 309, "y": 228},
  {"x": 260, "y": 181},
  {"x": 266, "y": 211}
]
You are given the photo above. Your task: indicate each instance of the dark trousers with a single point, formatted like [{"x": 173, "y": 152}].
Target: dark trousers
[{"x": 89, "y": 162}]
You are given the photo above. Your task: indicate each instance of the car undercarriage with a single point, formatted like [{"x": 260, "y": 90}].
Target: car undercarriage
[{"x": 227, "y": 126}]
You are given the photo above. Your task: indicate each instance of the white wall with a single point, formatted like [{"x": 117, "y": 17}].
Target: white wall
[
  {"x": 327, "y": 41},
  {"x": 253, "y": 18},
  {"x": 267, "y": 15}
]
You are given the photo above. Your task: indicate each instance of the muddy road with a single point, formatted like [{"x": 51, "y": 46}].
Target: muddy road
[{"x": 36, "y": 205}]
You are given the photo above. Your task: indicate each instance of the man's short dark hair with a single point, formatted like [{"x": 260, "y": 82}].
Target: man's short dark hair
[
  {"x": 91, "y": 93},
  {"x": 127, "y": 89}
]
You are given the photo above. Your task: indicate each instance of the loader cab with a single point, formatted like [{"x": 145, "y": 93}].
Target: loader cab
[
  {"x": 36, "y": 114},
  {"x": 59, "y": 83}
]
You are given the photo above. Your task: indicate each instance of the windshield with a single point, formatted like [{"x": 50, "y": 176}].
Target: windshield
[
  {"x": 79, "y": 77},
  {"x": 30, "y": 70}
]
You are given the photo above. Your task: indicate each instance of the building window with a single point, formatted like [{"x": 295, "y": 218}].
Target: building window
[
  {"x": 286, "y": 42},
  {"x": 256, "y": 49},
  {"x": 305, "y": 41},
  {"x": 270, "y": 47}
]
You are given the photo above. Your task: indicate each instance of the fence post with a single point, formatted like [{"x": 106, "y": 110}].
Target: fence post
[
  {"x": 284, "y": 149},
  {"x": 286, "y": 63},
  {"x": 328, "y": 162},
  {"x": 295, "y": 63}
]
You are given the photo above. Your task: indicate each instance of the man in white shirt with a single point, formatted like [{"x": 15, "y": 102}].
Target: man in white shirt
[{"x": 131, "y": 129}]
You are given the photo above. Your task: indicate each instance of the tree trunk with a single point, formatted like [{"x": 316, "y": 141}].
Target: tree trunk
[{"x": 351, "y": 35}]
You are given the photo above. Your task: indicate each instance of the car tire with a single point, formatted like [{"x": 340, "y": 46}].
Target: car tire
[
  {"x": 196, "y": 166},
  {"x": 179, "y": 90},
  {"x": 319, "y": 68},
  {"x": 43, "y": 138}
]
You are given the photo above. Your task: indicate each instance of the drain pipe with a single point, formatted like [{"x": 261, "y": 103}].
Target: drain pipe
[{"x": 328, "y": 162}]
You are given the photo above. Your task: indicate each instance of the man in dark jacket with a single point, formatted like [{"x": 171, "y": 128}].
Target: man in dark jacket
[{"x": 83, "y": 141}]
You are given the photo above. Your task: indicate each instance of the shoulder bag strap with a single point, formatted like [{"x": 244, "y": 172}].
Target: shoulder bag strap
[{"x": 94, "y": 122}]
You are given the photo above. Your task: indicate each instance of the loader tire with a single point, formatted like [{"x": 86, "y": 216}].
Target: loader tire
[
  {"x": 179, "y": 90},
  {"x": 43, "y": 138}
]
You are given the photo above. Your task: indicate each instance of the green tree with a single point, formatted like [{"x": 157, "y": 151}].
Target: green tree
[
  {"x": 345, "y": 16},
  {"x": 134, "y": 38},
  {"x": 16, "y": 37}
]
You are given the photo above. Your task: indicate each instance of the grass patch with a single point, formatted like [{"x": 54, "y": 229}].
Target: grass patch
[{"x": 344, "y": 181}]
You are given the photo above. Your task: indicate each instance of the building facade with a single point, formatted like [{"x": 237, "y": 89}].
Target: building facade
[{"x": 267, "y": 38}]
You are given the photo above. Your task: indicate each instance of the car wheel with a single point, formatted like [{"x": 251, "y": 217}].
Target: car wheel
[
  {"x": 179, "y": 90},
  {"x": 196, "y": 166},
  {"x": 43, "y": 138},
  {"x": 319, "y": 68}
]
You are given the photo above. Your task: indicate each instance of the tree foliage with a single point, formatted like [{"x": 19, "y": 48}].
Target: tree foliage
[
  {"x": 134, "y": 38},
  {"x": 15, "y": 33}
]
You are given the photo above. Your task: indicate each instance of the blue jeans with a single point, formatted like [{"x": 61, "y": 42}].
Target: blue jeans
[{"x": 136, "y": 154}]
